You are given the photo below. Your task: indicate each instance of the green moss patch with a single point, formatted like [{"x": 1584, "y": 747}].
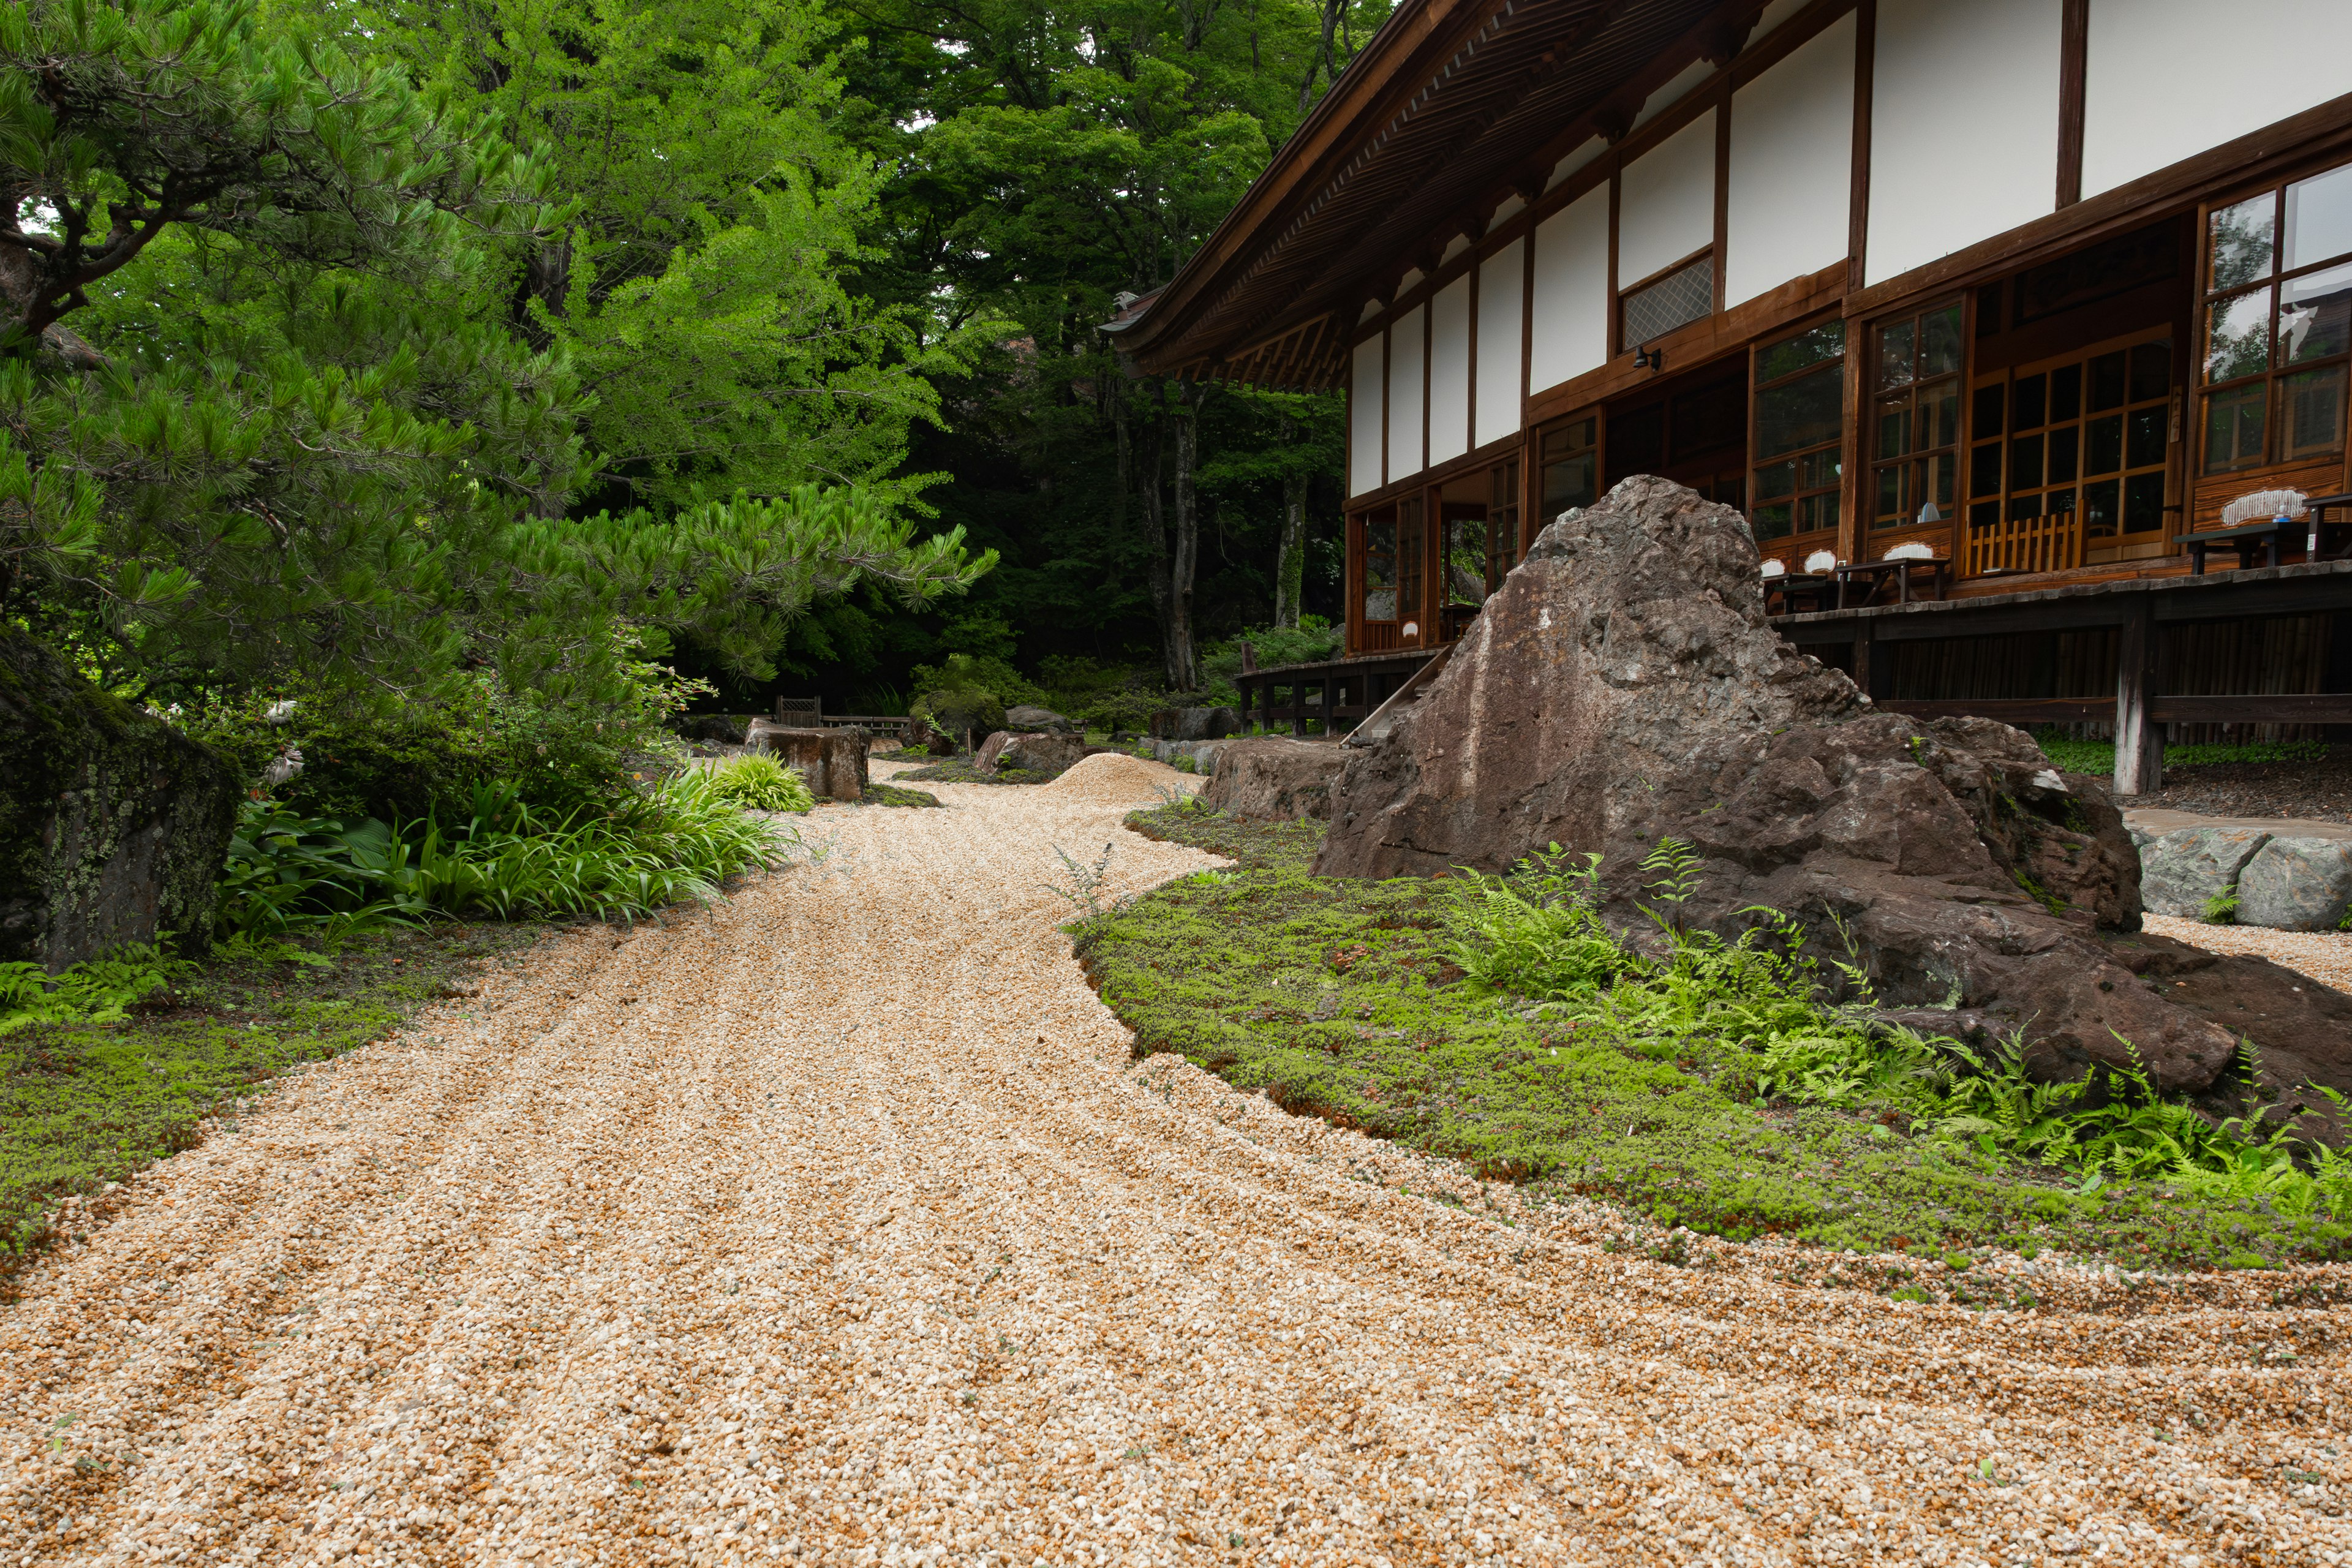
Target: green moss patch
[
  {"x": 891, "y": 794},
  {"x": 959, "y": 770},
  {"x": 82, "y": 1105},
  {"x": 1343, "y": 999}
]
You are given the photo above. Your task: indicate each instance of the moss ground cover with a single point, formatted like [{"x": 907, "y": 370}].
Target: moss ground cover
[
  {"x": 891, "y": 794},
  {"x": 959, "y": 770},
  {"x": 82, "y": 1104},
  {"x": 1346, "y": 1000}
]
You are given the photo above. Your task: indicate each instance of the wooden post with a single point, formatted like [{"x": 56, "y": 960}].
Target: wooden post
[{"x": 2139, "y": 741}]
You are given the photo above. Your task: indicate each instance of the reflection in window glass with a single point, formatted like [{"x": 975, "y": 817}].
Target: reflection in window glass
[
  {"x": 2110, "y": 379},
  {"x": 1915, "y": 427},
  {"x": 2296, "y": 332},
  {"x": 2318, "y": 218},
  {"x": 2239, "y": 250},
  {"x": 2233, "y": 429},
  {"x": 2311, "y": 413},
  {"x": 2143, "y": 504},
  {"x": 2144, "y": 436},
  {"x": 2237, "y": 336},
  {"x": 1817, "y": 345},
  {"x": 2315, "y": 315},
  {"x": 2101, "y": 509},
  {"x": 1379, "y": 569},
  {"x": 1939, "y": 353},
  {"x": 1799, "y": 410},
  {"x": 1898, "y": 345},
  {"x": 1465, "y": 565},
  {"x": 1803, "y": 412},
  {"x": 1569, "y": 468},
  {"x": 2065, "y": 443},
  {"x": 2107, "y": 445}
]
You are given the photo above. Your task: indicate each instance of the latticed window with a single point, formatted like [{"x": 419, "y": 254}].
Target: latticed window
[
  {"x": 2278, "y": 325},
  {"x": 1800, "y": 425},
  {"x": 1657, "y": 307},
  {"x": 1915, "y": 417}
]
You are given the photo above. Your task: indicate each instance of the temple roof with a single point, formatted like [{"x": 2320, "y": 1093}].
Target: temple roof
[{"x": 1453, "y": 107}]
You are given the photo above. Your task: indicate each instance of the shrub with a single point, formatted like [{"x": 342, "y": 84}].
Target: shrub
[
  {"x": 672, "y": 843},
  {"x": 758, "y": 781},
  {"x": 356, "y": 764},
  {"x": 956, "y": 700}
]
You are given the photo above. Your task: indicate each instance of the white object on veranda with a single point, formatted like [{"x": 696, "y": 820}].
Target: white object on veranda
[
  {"x": 1774, "y": 567},
  {"x": 1821, "y": 560},
  {"x": 1915, "y": 550},
  {"x": 2262, "y": 506}
]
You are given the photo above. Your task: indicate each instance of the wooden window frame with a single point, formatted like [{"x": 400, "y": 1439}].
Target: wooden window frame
[
  {"x": 1805, "y": 541},
  {"x": 2272, "y": 377},
  {"x": 1708, "y": 255},
  {"x": 2003, "y": 497},
  {"x": 1869, "y": 535}
]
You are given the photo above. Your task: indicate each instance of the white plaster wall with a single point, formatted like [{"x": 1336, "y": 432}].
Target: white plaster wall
[
  {"x": 1791, "y": 167},
  {"x": 2168, "y": 79},
  {"x": 1364, "y": 411},
  {"x": 1963, "y": 126},
  {"x": 1407, "y": 355},
  {"x": 1449, "y": 370},
  {"x": 1502, "y": 306},
  {"x": 1666, "y": 207},
  {"x": 1568, "y": 325},
  {"x": 1676, "y": 88}
]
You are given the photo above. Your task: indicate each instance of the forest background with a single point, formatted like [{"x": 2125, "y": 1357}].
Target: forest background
[{"x": 518, "y": 370}]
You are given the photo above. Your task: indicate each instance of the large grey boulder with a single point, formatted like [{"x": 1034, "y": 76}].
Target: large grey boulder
[
  {"x": 2296, "y": 884},
  {"x": 1038, "y": 754},
  {"x": 1196, "y": 723},
  {"x": 113, "y": 825},
  {"x": 1273, "y": 779},
  {"x": 2182, "y": 871},
  {"x": 1623, "y": 688},
  {"x": 1034, "y": 721},
  {"x": 833, "y": 760}
]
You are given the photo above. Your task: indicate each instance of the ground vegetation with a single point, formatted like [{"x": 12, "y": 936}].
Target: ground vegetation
[{"x": 1699, "y": 1083}]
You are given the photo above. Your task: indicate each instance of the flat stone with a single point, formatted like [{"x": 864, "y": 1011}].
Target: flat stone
[
  {"x": 2183, "y": 871},
  {"x": 2296, "y": 884}
]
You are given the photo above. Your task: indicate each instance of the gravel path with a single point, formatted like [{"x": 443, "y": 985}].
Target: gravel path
[{"x": 837, "y": 1225}]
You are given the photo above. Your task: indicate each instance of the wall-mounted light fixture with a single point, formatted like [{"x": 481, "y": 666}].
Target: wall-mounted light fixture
[{"x": 1648, "y": 358}]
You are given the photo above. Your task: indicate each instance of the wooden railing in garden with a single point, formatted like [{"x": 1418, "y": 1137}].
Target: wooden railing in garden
[{"x": 2051, "y": 542}]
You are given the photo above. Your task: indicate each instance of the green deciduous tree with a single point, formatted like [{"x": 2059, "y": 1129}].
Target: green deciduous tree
[{"x": 303, "y": 432}]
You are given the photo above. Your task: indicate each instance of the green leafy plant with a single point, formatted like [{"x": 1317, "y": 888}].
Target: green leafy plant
[
  {"x": 757, "y": 781},
  {"x": 97, "y": 991},
  {"x": 673, "y": 842},
  {"x": 2222, "y": 908}
]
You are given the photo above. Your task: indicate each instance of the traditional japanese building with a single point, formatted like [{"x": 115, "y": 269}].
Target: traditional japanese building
[{"x": 1999, "y": 319}]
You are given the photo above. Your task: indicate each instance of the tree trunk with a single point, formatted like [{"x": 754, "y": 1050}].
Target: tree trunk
[
  {"x": 1183, "y": 659},
  {"x": 1155, "y": 517},
  {"x": 1290, "y": 564}
]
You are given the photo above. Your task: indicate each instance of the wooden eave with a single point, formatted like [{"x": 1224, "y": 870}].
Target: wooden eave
[{"x": 1453, "y": 106}]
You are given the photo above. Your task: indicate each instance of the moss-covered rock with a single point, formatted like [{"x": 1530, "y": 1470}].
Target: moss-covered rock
[{"x": 113, "y": 825}]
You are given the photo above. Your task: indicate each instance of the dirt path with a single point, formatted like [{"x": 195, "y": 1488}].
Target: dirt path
[{"x": 836, "y": 1227}]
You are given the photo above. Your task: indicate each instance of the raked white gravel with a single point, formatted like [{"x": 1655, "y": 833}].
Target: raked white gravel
[{"x": 837, "y": 1224}]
